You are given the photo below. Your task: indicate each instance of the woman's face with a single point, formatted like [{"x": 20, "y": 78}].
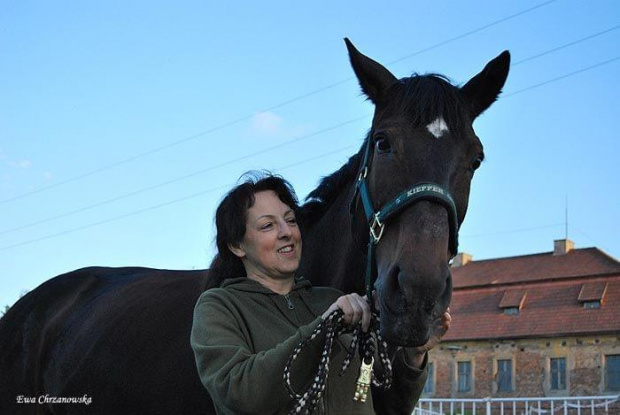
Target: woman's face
[{"x": 271, "y": 246}]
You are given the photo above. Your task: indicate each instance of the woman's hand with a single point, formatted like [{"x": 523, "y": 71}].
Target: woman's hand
[
  {"x": 355, "y": 309},
  {"x": 440, "y": 327}
]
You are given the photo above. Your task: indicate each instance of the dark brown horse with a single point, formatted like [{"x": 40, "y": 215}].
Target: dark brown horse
[{"x": 119, "y": 337}]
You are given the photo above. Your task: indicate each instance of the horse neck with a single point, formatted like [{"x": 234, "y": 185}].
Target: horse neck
[{"x": 330, "y": 257}]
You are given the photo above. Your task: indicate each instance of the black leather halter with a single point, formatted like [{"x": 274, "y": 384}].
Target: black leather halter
[{"x": 377, "y": 219}]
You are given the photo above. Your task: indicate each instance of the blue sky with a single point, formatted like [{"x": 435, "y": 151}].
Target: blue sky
[{"x": 122, "y": 124}]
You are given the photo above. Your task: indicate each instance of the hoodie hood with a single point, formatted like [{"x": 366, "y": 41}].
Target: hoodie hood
[{"x": 248, "y": 285}]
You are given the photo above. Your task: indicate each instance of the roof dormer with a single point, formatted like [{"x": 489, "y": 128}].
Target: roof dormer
[
  {"x": 592, "y": 294},
  {"x": 512, "y": 301}
]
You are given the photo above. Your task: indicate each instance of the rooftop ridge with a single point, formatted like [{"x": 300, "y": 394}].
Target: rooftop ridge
[
  {"x": 609, "y": 256},
  {"x": 548, "y": 253},
  {"x": 537, "y": 281}
]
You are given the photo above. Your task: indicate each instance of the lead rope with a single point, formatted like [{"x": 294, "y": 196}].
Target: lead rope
[{"x": 333, "y": 326}]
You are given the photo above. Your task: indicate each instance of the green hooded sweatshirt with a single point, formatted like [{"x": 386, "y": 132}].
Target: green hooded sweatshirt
[{"x": 243, "y": 334}]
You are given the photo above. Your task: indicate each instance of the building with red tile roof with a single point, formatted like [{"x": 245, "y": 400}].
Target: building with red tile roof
[{"x": 534, "y": 325}]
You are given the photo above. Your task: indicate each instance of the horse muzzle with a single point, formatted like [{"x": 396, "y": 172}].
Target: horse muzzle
[{"x": 409, "y": 316}]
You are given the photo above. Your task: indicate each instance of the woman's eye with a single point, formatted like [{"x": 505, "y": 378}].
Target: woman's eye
[
  {"x": 291, "y": 221},
  {"x": 267, "y": 225},
  {"x": 382, "y": 144}
]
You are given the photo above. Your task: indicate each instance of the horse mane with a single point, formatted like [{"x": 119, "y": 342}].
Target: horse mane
[
  {"x": 423, "y": 98},
  {"x": 320, "y": 199}
]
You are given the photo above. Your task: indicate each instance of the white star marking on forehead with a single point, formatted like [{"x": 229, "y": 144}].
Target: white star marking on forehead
[{"x": 438, "y": 127}]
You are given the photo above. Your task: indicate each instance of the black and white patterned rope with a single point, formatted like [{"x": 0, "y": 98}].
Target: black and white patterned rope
[{"x": 333, "y": 326}]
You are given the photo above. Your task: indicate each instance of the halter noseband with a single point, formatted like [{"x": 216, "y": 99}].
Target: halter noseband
[{"x": 376, "y": 220}]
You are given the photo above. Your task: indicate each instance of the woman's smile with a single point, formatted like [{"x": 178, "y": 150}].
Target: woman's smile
[{"x": 287, "y": 251}]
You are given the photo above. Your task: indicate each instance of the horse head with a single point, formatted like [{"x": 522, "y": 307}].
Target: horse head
[{"x": 421, "y": 132}]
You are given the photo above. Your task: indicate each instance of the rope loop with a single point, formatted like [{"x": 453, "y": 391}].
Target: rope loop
[{"x": 366, "y": 343}]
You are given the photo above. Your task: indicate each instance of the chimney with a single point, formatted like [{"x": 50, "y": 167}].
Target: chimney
[
  {"x": 461, "y": 259},
  {"x": 562, "y": 246}
]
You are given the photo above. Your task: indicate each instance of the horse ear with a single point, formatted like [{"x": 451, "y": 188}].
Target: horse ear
[
  {"x": 483, "y": 89},
  {"x": 373, "y": 77}
]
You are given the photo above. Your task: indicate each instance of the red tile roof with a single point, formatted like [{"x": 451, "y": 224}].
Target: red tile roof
[
  {"x": 576, "y": 263},
  {"x": 549, "y": 288}
]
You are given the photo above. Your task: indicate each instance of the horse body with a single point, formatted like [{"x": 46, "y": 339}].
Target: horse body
[{"x": 120, "y": 336}]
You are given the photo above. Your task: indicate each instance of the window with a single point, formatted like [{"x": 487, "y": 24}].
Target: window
[
  {"x": 588, "y": 305},
  {"x": 504, "y": 375},
  {"x": 511, "y": 311},
  {"x": 464, "y": 376},
  {"x": 612, "y": 372},
  {"x": 558, "y": 373},
  {"x": 430, "y": 380}
]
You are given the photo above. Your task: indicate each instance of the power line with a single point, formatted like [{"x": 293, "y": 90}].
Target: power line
[
  {"x": 194, "y": 195},
  {"x": 575, "y": 42},
  {"x": 471, "y": 32},
  {"x": 267, "y": 150},
  {"x": 164, "y": 204},
  {"x": 607, "y": 62},
  {"x": 184, "y": 177},
  {"x": 590, "y": 238},
  {"x": 506, "y": 232},
  {"x": 534, "y": 228},
  {"x": 187, "y": 197},
  {"x": 247, "y": 117}
]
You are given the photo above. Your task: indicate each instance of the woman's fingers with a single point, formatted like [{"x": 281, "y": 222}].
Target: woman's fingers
[
  {"x": 446, "y": 320},
  {"x": 347, "y": 309},
  {"x": 330, "y": 310},
  {"x": 366, "y": 314},
  {"x": 360, "y": 311},
  {"x": 355, "y": 309},
  {"x": 365, "y": 308},
  {"x": 442, "y": 324}
]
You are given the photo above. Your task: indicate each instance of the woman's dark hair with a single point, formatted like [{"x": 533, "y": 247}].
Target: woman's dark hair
[{"x": 231, "y": 216}]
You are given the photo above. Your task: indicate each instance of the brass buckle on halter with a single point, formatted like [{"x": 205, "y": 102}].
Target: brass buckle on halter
[{"x": 376, "y": 235}]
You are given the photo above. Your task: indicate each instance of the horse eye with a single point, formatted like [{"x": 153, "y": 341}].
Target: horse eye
[
  {"x": 476, "y": 163},
  {"x": 382, "y": 145}
]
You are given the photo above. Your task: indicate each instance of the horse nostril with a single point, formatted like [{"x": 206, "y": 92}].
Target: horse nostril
[{"x": 394, "y": 273}]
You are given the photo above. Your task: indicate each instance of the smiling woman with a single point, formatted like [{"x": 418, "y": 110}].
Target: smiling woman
[
  {"x": 249, "y": 322},
  {"x": 248, "y": 204},
  {"x": 271, "y": 247}
]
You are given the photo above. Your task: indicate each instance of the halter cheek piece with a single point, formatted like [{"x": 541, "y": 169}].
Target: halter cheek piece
[{"x": 376, "y": 220}]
